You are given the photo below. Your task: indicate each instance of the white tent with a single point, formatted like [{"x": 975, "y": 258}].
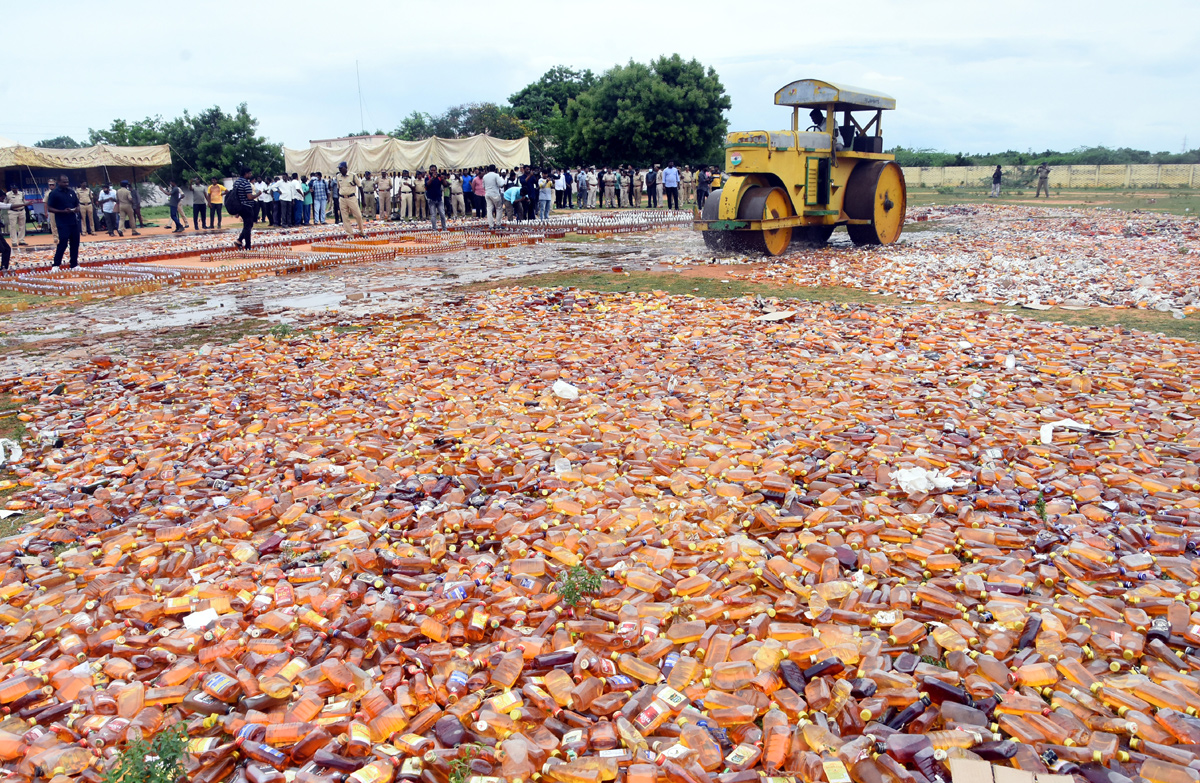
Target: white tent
[
  {"x": 102, "y": 162},
  {"x": 397, "y": 155}
]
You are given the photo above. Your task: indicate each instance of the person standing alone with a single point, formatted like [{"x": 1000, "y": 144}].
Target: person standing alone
[
  {"x": 174, "y": 196},
  {"x": 1043, "y": 177},
  {"x": 996, "y": 183},
  {"x": 125, "y": 209},
  {"x": 62, "y": 206},
  {"x": 243, "y": 191},
  {"x": 347, "y": 190}
]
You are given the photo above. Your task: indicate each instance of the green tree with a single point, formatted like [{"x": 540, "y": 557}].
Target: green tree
[
  {"x": 671, "y": 109},
  {"x": 414, "y": 127},
  {"x": 58, "y": 143},
  {"x": 209, "y": 144},
  {"x": 541, "y": 107}
]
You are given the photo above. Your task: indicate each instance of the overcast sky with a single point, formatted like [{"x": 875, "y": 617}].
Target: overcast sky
[{"x": 967, "y": 76}]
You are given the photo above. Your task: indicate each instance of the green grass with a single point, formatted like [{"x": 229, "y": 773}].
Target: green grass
[
  {"x": 1175, "y": 202},
  {"x": 676, "y": 283},
  {"x": 156, "y": 213},
  {"x": 17, "y": 297},
  {"x": 12, "y": 428}
]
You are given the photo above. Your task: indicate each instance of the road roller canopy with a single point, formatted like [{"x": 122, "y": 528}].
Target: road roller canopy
[{"x": 818, "y": 94}]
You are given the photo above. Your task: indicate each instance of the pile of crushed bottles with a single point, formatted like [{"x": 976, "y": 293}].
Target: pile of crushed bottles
[
  {"x": 827, "y": 544},
  {"x": 998, "y": 254}
]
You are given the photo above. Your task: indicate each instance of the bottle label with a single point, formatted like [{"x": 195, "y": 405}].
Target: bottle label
[
  {"x": 457, "y": 677},
  {"x": 646, "y": 717},
  {"x": 835, "y": 772},
  {"x": 673, "y": 698},
  {"x": 573, "y": 737},
  {"x": 742, "y": 755},
  {"x": 613, "y": 753},
  {"x": 202, "y": 745},
  {"x": 359, "y": 731},
  {"x": 412, "y": 766}
]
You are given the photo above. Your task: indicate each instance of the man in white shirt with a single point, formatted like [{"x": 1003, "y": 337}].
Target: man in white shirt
[
  {"x": 493, "y": 188},
  {"x": 108, "y": 207},
  {"x": 593, "y": 187},
  {"x": 286, "y": 194},
  {"x": 560, "y": 191},
  {"x": 262, "y": 197}
]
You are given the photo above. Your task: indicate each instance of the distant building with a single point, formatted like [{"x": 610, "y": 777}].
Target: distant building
[{"x": 346, "y": 141}]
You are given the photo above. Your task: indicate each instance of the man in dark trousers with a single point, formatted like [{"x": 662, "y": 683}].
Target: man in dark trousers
[
  {"x": 433, "y": 193},
  {"x": 63, "y": 206},
  {"x": 243, "y": 189},
  {"x": 652, "y": 188}
]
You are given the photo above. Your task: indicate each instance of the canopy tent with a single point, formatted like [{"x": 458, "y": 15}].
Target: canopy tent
[
  {"x": 102, "y": 163},
  {"x": 397, "y": 155}
]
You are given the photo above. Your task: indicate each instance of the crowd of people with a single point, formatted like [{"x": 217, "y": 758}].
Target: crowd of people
[{"x": 523, "y": 193}]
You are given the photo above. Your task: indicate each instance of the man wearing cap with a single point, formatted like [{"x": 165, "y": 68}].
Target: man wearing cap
[
  {"x": 385, "y": 195},
  {"x": 368, "y": 195},
  {"x": 347, "y": 190},
  {"x": 406, "y": 196},
  {"x": 419, "y": 195},
  {"x": 50, "y": 219},
  {"x": 125, "y": 209},
  {"x": 457, "y": 204},
  {"x": 687, "y": 185},
  {"x": 86, "y": 209}
]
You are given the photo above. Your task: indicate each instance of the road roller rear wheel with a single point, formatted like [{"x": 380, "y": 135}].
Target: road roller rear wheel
[
  {"x": 875, "y": 191},
  {"x": 813, "y": 235},
  {"x": 765, "y": 203},
  {"x": 715, "y": 240}
]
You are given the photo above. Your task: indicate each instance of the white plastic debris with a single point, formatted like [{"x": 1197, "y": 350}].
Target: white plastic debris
[
  {"x": 10, "y": 451},
  {"x": 1047, "y": 430},
  {"x": 915, "y": 480},
  {"x": 778, "y": 315},
  {"x": 565, "y": 391},
  {"x": 199, "y": 620}
]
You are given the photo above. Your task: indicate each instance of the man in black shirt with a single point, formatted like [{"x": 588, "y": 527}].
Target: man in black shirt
[
  {"x": 63, "y": 205},
  {"x": 433, "y": 194},
  {"x": 244, "y": 191},
  {"x": 652, "y": 187}
]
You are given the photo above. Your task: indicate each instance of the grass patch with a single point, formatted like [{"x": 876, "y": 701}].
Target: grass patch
[
  {"x": 674, "y": 283},
  {"x": 12, "y": 428},
  {"x": 220, "y": 334},
  {"x": 20, "y": 299},
  {"x": 682, "y": 284}
]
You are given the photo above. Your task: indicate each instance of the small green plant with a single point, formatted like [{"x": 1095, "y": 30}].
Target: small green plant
[
  {"x": 281, "y": 331},
  {"x": 460, "y": 768},
  {"x": 929, "y": 659},
  {"x": 576, "y": 582},
  {"x": 158, "y": 761},
  {"x": 946, "y": 190},
  {"x": 1040, "y": 506},
  {"x": 1183, "y": 251}
]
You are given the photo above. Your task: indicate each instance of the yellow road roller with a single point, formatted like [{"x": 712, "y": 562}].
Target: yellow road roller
[{"x": 800, "y": 184}]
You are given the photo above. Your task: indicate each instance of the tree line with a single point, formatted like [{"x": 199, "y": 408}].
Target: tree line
[
  {"x": 640, "y": 113},
  {"x": 211, "y": 143},
  {"x": 1081, "y": 156}
]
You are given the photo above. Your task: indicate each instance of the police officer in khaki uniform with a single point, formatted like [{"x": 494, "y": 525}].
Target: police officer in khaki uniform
[
  {"x": 609, "y": 188},
  {"x": 368, "y": 196},
  {"x": 419, "y": 194},
  {"x": 458, "y": 207},
  {"x": 347, "y": 190},
  {"x": 125, "y": 210},
  {"x": 687, "y": 186},
  {"x": 50, "y": 186},
  {"x": 385, "y": 195},
  {"x": 15, "y": 198},
  {"x": 406, "y": 196},
  {"x": 86, "y": 209}
]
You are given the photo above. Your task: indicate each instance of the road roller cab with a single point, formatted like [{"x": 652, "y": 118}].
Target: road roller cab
[{"x": 800, "y": 184}]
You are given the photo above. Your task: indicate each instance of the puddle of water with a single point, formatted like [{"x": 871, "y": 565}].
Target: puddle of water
[
  {"x": 184, "y": 316},
  {"x": 305, "y": 301}
]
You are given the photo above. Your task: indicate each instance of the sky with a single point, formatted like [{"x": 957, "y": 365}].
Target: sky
[{"x": 966, "y": 76}]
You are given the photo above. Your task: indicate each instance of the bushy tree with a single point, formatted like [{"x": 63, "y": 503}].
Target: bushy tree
[
  {"x": 58, "y": 143},
  {"x": 209, "y": 144},
  {"x": 542, "y": 107},
  {"x": 671, "y": 109}
]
